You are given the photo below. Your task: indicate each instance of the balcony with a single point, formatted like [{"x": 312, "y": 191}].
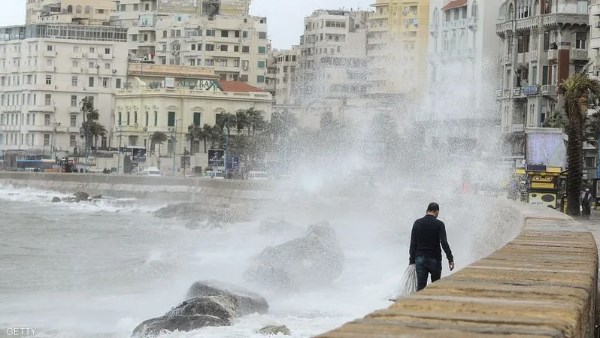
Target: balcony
[
  {"x": 499, "y": 94},
  {"x": 517, "y": 128},
  {"x": 41, "y": 109},
  {"x": 531, "y": 56},
  {"x": 107, "y": 57},
  {"x": 552, "y": 54},
  {"x": 472, "y": 22},
  {"x": 92, "y": 56},
  {"x": 561, "y": 19},
  {"x": 549, "y": 90},
  {"x": 579, "y": 54},
  {"x": 77, "y": 56},
  {"x": 518, "y": 93},
  {"x": 50, "y": 54}
]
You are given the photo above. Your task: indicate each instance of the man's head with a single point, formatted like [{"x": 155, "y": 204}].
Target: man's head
[
  {"x": 587, "y": 189},
  {"x": 433, "y": 209}
]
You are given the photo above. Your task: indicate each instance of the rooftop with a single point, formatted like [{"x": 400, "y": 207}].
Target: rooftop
[
  {"x": 454, "y": 4},
  {"x": 239, "y": 87}
]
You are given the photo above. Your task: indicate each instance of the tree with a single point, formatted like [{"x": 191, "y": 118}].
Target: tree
[
  {"x": 592, "y": 129},
  {"x": 242, "y": 121},
  {"x": 256, "y": 121},
  {"x": 194, "y": 133},
  {"x": 576, "y": 90},
  {"x": 92, "y": 129},
  {"x": 157, "y": 137}
]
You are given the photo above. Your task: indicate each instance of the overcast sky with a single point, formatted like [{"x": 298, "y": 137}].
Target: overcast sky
[{"x": 284, "y": 17}]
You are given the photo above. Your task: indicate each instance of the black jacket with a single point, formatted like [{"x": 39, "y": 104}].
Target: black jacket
[{"x": 427, "y": 235}]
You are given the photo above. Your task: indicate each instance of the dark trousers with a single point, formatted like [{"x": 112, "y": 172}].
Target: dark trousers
[{"x": 425, "y": 266}]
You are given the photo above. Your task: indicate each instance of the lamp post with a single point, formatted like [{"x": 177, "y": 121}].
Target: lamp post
[
  {"x": 174, "y": 138},
  {"x": 226, "y": 145},
  {"x": 119, "y": 150}
]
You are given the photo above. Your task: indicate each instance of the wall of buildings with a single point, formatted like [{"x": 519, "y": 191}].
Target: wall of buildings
[
  {"x": 86, "y": 12},
  {"x": 45, "y": 72}
]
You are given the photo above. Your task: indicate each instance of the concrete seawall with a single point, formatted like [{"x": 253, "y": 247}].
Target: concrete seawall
[
  {"x": 541, "y": 284},
  {"x": 167, "y": 188}
]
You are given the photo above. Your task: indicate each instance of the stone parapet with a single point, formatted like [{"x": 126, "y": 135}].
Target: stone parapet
[{"x": 541, "y": 284}]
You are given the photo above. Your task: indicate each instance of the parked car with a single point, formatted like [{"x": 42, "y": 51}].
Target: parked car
[
  {"x": 151, "y": 171},
  {"x": 258, "y": 175},
  {"x": 216, "y": 174}
]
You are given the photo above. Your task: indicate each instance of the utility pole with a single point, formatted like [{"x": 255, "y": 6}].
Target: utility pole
[
  {"x": 226, "y": 146},
  {"x": 174, "y": 146},
  {"x": 119, "y": 150}
]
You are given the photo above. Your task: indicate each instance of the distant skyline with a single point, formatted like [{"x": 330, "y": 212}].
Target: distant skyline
[{"x": 285, "y": 18}]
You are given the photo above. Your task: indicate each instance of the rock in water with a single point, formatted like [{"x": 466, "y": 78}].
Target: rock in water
[
  {"x": 246, "y": 302},
  {"x": 304, "y": 263},
  {"x": 190, "y": 315},
  {"x": 275, "y": 329},
  {"x": 210, "y": 303},
  {"x": 81, "y": 196},
  {"x": 55, "y": 199}
]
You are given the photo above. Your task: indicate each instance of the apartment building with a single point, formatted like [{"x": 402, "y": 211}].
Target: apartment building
[
  {"x": 169, "y": 99},
  {"x": 83, "y": 12},
  {"x": 543, "y": 42},
  {"x": 463, "y": 74},
  {"x": 332, "y": 65},
  {"x": 594, "y": 48},
  {"x": 219, "y": 34},
  {"x": 397, "y": 49},
  {"x": 45, "y": 72},
  {"x": 282, "y": 71}
]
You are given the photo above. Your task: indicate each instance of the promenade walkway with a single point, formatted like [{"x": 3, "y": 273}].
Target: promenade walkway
[{"x": 542, "y": 284}]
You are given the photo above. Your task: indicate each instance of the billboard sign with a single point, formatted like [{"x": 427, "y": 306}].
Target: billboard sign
[
  {"x": 216, "y": 158},
  {"x": 546, "y": 148}
]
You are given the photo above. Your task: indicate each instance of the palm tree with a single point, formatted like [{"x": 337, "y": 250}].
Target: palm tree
[
  {"x": 194, "y": 133},
  {"x": 576, "y": 90},
  {"x": 242, "y": 120},
  {"x": 91, "y": 127},
  {"x": 157, "y": 137},
  {"x": 255, "y": 120}
]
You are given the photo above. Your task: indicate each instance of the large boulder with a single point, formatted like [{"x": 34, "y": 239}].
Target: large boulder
[
  {"x": 311, "y": 261},
  {"x": 246, "y": 302},
  {"x": 209, "y": 303},
  {"x": 190, "y": 315},
  {"x": 81, "y": 196}
]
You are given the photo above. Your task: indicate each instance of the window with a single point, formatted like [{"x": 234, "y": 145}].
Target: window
[
  {"x": 75, "y": 64},
  {"x": 46, "y": 139},
  {"x": 105, "y": 82},
  {"x": 49, "y": 48},
  {"x": 91, "y": 82},
  {"x": 260, "y": 79},
  {"x": 107, "y": 66},
  {"x": 92, "y": 50},
  {"x": 224, "y": 34},
  {"x": 73, "y": 121},
  {"x": 146, "y": 118},
  {"x": 223, "y": 48},
  {"x": 580, "y": 39},
  {"x": 262, "y": 35},
  {"x": 128, "y": 118},
  {"x": 261, "y": 64},
  {"x": 74, "y": 81},
  {"x": 236, "y": 48},
  {"x": 118, "y": 85},
  {"x": 209, "y": 62},
  {"x": 48, "y": 99},
  {"x": 155, "y": 118},
  {"x": 73, "y": 100},
  {"x": 171, "y": 119},
  {"x": 72, "y": 141},
  {"x": 120, "y": 118},
  {"x": 46, "y": 119},
  {"x": 245, "y": 49},
  {"x": 210, "y": 32},
  {"x": 135, "y": 118},
  {"x": 91, "y": 65},
  {"x": 262, "y": 50},
  {"x": 197, "y": 117},
  {"x": 209, "y": 47},
  {"x": 106, "y": 50},
  {"x": 245, "y": 64},
  {"x": 245, "y": 34},
  {"x": 48, "y": 79}
]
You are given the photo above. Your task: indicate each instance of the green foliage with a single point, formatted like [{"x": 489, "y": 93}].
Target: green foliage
[
  {"x": 557, "y": 119},
  {"x": 92, "y": 129}
]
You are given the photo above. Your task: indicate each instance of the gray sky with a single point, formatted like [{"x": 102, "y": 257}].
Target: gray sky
[{"x": 285, "y": 17}]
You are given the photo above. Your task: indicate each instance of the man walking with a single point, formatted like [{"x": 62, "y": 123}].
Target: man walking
[
  {"x": 586, "y": 203},
  {"x": 427, "y": 235}
]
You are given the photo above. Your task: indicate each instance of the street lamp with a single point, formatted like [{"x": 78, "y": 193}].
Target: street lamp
[
  {"x": 119, "y": 150},
  {"x": 174, "y": 139}
]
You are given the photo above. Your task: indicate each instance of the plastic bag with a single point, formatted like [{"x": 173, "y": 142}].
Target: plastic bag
[{"x": 409, "y": 282}]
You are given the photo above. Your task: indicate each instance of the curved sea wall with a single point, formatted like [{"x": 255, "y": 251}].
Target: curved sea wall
[
  {"x": 541, "y": 284},
  {"x": 167, "y": 188}
]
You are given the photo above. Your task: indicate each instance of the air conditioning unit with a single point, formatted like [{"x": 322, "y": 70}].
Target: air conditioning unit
[
  {"x": 218, "y": 47},
  {"x": 245, "y": 68},
  {"x": 114, "y": 71}
]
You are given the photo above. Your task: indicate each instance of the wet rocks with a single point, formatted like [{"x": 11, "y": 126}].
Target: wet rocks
[
  {"x": 209, "y": 303},
  {"x": 213, "y": 215},
  {"x": 311, "y": 261},
  {"x": 270, "y": 330},
  {"x": 246, "y": 302},
  {"x": 81, "y": 196},
  {"x": 55, "y": 199},
  {"x": 190, "y": 315}
]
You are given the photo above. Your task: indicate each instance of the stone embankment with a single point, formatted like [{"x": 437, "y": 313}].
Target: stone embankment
[
  {"x": 542, "y": 284},
  {"x": 167, "y": 188}
]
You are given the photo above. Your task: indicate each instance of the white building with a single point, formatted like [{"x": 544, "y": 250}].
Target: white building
[
  {"x": 45, "y": 72},
  {"x": 219, "y": 34},
  {"x": 543, "y": 43},
  {"x": 169, "y": 99},
  {"x": 462, "y": 75},
  {"x": 283, "y": 65},
  {"x": 84, "y": 12},
  {"x": 332, "y": 65}
]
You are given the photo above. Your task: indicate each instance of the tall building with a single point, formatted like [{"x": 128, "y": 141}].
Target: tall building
[
  {"x": 282, "y": 69},
  {"x": 84, "y": 12},
  {"x": 219, "y": 34},
  {"x": 397, "y": 49},
  {"x": 543, "y": 43},
  {"x": 332, "y": 64},
  {"x": 45, "y": 72},
  {"x": 463, "y": 73}
]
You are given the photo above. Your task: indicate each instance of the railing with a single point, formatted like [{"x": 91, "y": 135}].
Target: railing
[
  {"x": 552, "y": 54},
  {"x": 549, "y": 90},
  {"x": 517, "y": 128},
  {"x": 192, "y": 92},
  {"x": 579, "y": 54}
]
